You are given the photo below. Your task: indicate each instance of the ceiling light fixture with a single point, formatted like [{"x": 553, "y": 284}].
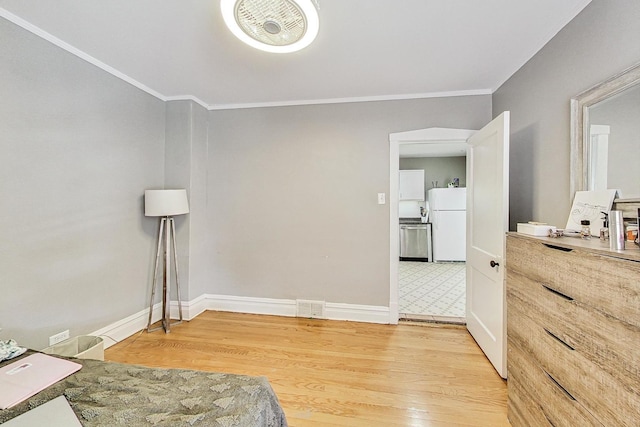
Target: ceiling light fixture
[{"x": 278, "y": 26}]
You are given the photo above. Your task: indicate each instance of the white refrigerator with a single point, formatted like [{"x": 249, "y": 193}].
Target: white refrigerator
[{"x": 448, "y": 213}]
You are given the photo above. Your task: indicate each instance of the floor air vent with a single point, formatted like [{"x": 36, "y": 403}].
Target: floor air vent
[{"x": 313, "y": 309}]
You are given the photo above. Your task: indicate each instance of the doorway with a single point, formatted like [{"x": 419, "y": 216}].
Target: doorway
[
  {"x": 434, "y": 291},
  {"x": 425, "y": 291},
  {"x": 487, "y": 221}
]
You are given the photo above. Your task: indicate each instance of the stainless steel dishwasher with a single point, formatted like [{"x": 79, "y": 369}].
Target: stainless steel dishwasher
[{"x": 415, "y": 242}]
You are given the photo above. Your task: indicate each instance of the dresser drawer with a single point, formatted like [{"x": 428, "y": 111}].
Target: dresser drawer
[
  {"x": 608, "y": 284},
  {"x": 523, "y": 407},
  {"x": 610, "y": 396},
  {"x": 601, "y": 339},
  {"x": 535, "y": 399}
]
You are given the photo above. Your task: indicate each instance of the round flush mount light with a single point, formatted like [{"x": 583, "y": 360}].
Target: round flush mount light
[{"x": 278, "y": 26}]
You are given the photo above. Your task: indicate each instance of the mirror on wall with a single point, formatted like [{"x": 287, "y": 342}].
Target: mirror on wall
[{"x": 605, "y": 136}]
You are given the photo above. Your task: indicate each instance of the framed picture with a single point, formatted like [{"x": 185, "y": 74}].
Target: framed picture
[{"x": 590, "y": 205}]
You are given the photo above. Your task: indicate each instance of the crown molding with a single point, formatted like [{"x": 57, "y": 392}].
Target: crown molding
[
  {"x": 353, "y": 99},
  {"x": 77, "y": 52},
  {"x": 212, "y": 107},
  {"x": 187, "y": 98}
]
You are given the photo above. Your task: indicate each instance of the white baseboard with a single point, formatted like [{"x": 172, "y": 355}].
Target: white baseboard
[
  {"x": 117, "y": 331},
  {"x": 270, "y": 306},
  {"x": 357, "y": 313},
  {"x": 190, "y": 309},
  {"x": 287, "y": 307},
  {"x": 130, "y": 325}
]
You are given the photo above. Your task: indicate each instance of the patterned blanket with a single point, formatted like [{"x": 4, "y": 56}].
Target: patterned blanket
[{"x": 112, "y": 394}]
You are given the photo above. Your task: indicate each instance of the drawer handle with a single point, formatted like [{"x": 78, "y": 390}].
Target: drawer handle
[
  {"x": 558, "y": 339},
  {"x": 559, "y": 386},
  {"x": 558, "y": 248},
  {"x": 560, "y": 294}
]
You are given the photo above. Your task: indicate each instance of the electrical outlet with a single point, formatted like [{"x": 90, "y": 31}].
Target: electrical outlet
[
  {"x": 381, "y": 199},
  {"x": 55, "y": 339}
]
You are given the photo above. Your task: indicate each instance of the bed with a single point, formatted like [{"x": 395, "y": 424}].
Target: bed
[{"x": 112, "y": 394}]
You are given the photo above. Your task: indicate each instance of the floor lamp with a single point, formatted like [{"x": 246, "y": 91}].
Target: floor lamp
[{"x": 165, "y": 204}]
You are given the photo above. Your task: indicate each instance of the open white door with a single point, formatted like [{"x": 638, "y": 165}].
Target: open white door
[{"x": 487, "y": 223}]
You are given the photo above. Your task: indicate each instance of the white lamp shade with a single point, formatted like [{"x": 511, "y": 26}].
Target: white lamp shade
[{"x": 165, "y": 202}]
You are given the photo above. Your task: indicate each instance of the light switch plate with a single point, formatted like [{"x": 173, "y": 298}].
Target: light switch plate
[{"x": 381, "y": 199}]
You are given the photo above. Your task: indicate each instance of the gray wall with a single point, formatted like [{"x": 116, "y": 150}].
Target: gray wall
[
  {"x": 601, "y": 41},
  {"x": 79, "y": 147},
  {"x": 440, "y": 169},
  {"x": 186, "y": 167},
  {"x": 292, "y": 195},
  {"x": 283, "y": 199}
]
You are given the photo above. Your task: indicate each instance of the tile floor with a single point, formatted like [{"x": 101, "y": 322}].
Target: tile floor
[{"x": 432, "y": 291}]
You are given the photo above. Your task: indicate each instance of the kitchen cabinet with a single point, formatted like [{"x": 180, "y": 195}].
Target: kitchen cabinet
[
  {"x": 411, "y": 185},
  {"x": 573, "y": 328}
]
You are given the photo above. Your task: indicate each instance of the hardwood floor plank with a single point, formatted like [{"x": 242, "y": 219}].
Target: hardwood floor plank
[{"x": 332, "y": 373}]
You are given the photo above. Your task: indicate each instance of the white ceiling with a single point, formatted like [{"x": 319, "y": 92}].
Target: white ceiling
[{"x": 365, "y": 50}]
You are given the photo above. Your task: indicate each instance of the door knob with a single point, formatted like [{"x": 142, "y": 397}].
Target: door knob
[{"x": 493, "y": 264}]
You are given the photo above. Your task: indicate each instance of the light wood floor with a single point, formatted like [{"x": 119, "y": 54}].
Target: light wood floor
[{"x": 331, "y": 373}]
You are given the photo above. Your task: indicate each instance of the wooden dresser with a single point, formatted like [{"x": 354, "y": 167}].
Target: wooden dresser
[{"x": 573, "y": 333}]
